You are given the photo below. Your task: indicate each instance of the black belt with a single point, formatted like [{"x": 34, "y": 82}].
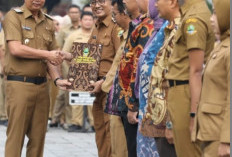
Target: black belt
[
  {"x": 177, "y": 82},
  {"x": 35, "y": 80}
]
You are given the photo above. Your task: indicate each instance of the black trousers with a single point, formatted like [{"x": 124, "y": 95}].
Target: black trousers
[
  {"x": 131, "y": 135},
  {"x": 164, "y": 148}
]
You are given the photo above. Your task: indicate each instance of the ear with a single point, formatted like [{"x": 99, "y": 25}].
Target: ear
[{"x": 174, "y": 3}]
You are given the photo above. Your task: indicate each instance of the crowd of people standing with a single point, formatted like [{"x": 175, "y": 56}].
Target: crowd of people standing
[{"x": 163, "y": 85}]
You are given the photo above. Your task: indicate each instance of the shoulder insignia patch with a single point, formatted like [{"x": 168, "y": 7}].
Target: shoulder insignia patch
[
  {"x": 191, "y": 29},
  {"x": 191, "y": 20},
  {"x": 18, "y": 10},
  {"x": 48, "y": 16}
]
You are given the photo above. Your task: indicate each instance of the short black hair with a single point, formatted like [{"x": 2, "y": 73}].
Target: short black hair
[
  {"x": 86, "y": 6},
  {"x": 86, "y": 13},
  {"x": 121, "y": 7},
  {"x": 74, "y": 6}
]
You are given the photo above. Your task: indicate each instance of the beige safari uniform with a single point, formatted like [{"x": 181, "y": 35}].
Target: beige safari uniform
[
  {"x": 77, "y": 111},
  {"x": 213, "y": 115},
  {"x": 2, "y": 92},
  {"x": 61, "y": 105},
  {"x": 194, "y": 32},
  {"x": 106, "y": 33},
  {"x": 118, "y": 145},
  {"x": 27, "y": 104}
]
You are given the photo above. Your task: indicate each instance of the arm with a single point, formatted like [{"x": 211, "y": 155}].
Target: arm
[
  {"x": 196, "y": 59},
  {"x": 19, "y": 50},
  {"x": 54, "y": 73}
]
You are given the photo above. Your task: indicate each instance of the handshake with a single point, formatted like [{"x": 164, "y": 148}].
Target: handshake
[{"x": 57, "y": 57}]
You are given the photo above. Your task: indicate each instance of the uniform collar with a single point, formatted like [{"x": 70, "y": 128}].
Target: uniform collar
[
  {"x": 105, "y": 22},
  {"x": 27, "y": 13},
  {"x": 125, "y": 34},
  {"x": 187, "y": 5}
]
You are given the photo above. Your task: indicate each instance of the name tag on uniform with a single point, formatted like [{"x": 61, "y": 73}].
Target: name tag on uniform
[{"x": 26, "y": 28}]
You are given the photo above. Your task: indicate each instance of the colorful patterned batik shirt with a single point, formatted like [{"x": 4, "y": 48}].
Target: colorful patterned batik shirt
[{"x": 123, "y": 88}]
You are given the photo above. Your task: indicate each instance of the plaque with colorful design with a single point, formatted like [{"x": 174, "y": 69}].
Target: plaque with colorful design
[{"x": 84, "y": 65}]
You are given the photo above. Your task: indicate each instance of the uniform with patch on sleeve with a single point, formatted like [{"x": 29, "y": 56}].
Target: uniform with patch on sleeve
[
  {"x": 27, "y": 100},
  {"x": 194, "y": 32}
]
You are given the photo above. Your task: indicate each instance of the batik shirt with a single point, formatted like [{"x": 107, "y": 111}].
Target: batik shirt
[
  {"x": 123, "y": 90},
  {"x": 153, "y": 124}
]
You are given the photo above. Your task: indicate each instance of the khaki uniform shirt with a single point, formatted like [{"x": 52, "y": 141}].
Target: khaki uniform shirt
[
  {"x": 194, "y": 32},
  {"x": 19, "y": 25},
  {"x": 2, "y": 45},
  {"x": 106, "y": 33},
  {"x": 214, "y": 107},
  {"x": 111, "y": 73},
  {"x": 64, "y": 33},
  {"x": 76, "y": 36}
]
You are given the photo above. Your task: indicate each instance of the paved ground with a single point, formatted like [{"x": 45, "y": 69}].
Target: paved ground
[{"x": 60, "y": 143}]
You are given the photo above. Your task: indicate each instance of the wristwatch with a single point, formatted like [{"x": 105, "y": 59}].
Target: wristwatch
[
  {"x": 192, "y": 114},
  {"x": 58, "y": 78},
  {"x": 169, "y": 125}
]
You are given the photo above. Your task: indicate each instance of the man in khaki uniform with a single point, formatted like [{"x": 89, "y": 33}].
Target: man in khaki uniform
[
  {"x": 118, "y": 145},
  {"x": 213, "y": 115},
  {"x": 30, "y": 51},
  {"x": 105, "y": 32},
  {"x": 81, "y": 35},
  {"x": 61, "y": 104},
  {"x": 194, "y": 41},
  {"x": 3, "y": 117}
]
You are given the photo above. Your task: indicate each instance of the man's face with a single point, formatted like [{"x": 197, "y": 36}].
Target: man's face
[
  {"x": 74, "y": 14},
  {"x": 117, "y": 16},
  {"x": 163, "y": 6},
  {"x": 131, "y": 6},
  {"x": 101, "y": 8},
  {"x": 34, "y": 5},
  {"x": 87, "y": 22}
]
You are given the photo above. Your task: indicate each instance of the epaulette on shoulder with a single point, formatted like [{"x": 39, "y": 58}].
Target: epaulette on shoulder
[
  {"x": 48, "y": 16},
  {"x": 18, "y": 10}
]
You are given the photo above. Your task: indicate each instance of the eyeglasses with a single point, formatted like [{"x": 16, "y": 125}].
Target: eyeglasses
[{"x": 100, "y": 2}]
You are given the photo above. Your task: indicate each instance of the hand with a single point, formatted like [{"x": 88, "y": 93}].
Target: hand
[
  {"x": 66, "y": 55},
  {"x": 191, "y": 125},
  {"x": 132, "y": 117},
  {"x": 96, "y": 86},
  {"x": 55, "y": 57},
  {"x": 169, "y": 135},
  {"x": 224, "y": 150},
  {"x": 63, "y": 84}
]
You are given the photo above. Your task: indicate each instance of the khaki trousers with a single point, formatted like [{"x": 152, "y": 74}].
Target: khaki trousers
[
  {"x": 62, "y": 107},
  {"x": 53, "y": 91},
  {"x": 179, "y": 109},
  {"x": 77, "y": 115},
  {"x": 118, "y": 137},
  {"x": 27, "y": 109},
  {"x": 210, "y": 149},
  {"x": 101, "y": 126},
  {"x": 2, "y": 100}
]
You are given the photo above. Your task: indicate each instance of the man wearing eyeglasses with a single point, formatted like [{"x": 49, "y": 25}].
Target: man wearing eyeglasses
[{"x": 105, "y": 32}]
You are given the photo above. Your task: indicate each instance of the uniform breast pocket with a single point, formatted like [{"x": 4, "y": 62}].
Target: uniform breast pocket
[
  {"x": 28, "y": 37},
  {"x": 47, "y": 40}
]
